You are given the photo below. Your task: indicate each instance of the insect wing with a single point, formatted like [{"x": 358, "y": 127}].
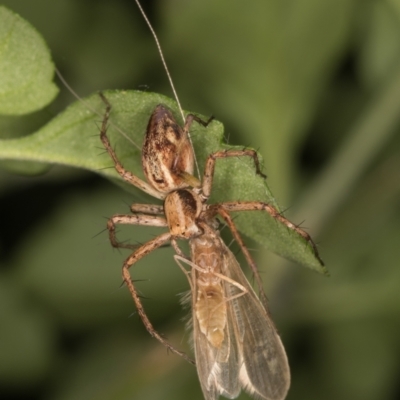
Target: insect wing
[
  {"x": 217, "y": 368},
  {"x": 264, "y": 369}
]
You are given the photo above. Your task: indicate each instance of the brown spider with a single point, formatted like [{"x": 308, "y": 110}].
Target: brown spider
[{"x": 235, "y": 341}]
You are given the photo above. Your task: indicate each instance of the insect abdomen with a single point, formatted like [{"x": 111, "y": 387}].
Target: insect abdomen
[{"x": 211, "y": 313}]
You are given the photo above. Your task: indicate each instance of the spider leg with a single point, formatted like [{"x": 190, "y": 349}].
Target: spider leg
[
  {"x": 220, "y": 209},
  {"x": 191, "y": 117},
  {"x": 128, "y": 263},
  {"x": 125, "y": 174},
  {"x": 147, "y": 209},
  {"x": 210, "y": 167},
  {"x": 135, "y": 219},
  {"x": 274, "y": 213}
]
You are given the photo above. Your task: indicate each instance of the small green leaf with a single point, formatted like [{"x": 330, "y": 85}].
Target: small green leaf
[
  {"x": 72, "y": 139},
  {"x": 26, "y": 69}
]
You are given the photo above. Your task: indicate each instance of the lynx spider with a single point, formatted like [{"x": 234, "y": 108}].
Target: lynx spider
[{"x": 167, "y": 160}]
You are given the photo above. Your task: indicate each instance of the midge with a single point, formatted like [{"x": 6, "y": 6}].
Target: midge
[{"x": 235, "y": 341}]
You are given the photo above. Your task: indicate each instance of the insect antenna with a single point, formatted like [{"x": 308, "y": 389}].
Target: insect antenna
[
  {"x": 168, "y": 74},
  {"x": 162, "y": 57}
]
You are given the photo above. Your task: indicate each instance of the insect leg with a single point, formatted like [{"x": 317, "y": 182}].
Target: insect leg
[{"x": 223, "y": 277}]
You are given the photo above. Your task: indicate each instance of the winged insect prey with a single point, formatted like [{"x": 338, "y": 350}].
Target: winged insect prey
[{"x": 235, "y": 341}]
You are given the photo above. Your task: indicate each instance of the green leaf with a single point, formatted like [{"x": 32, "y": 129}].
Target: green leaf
[
  {"x": 26, "y": 69},
  {"x": 72, "y": 139}
]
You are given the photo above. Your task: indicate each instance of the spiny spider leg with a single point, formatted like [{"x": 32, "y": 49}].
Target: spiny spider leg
[
  {"x": 274, "y": 213},
  {"x": 252, "y": 264},
  {"x": 126, "y": 175},
  {"x": 142, "y": 251},
  {"x": 210, "y": 167},
  {"x": 151, "y": 209},
  {"x": 135, "y": 219}
]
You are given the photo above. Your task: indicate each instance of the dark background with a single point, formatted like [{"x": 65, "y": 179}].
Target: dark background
[{"x": 314, "y": 86}]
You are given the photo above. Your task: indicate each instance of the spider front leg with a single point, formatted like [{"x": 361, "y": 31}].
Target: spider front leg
[
  {"x": 210, "y": 167},
  {"x": 274, "y": 213},
  {"x": 152, "y": 209},
  {"x": 125, "y": 174},
  {"x": 128, "y": 263},
  {"x": 135, "y": 219}
]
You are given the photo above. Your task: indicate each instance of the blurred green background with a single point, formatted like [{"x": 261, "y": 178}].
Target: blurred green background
[{"x": 315, "y": 86}]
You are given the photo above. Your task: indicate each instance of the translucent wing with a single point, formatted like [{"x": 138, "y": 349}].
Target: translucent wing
[
  {"x": 218, "y": 368},
  {"x": 251, "y": 354},
  {"x": 264, "y": 369}
]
